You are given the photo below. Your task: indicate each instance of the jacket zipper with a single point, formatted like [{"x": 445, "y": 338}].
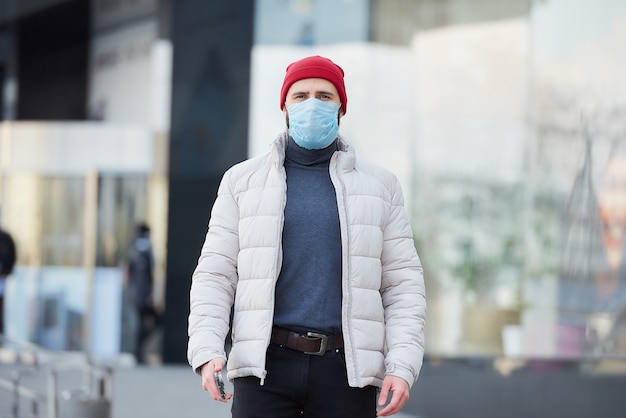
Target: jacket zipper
[
  {"x": 340, "y": 191},
  {"x": 278, "y": 259}
]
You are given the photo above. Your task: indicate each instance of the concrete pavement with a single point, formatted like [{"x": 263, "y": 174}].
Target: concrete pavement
[{"x": 163, "y": 392}]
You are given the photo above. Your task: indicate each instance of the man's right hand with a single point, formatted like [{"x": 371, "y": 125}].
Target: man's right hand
[{"x": 208, "y": 380}]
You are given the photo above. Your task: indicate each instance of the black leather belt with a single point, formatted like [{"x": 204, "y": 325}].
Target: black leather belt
[{"x": 309, "y": 343}]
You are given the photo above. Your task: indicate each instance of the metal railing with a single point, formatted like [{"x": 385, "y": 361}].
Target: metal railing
[{"x": 25, "y": 363}]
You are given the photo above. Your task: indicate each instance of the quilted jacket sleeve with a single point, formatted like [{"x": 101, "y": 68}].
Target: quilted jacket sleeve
[
  {"x": 214, "y": 280},
  {"x": 403, "y": 294}
]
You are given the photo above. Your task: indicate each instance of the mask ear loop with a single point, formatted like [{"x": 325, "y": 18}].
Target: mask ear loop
[{"x": 286, "y": 114}]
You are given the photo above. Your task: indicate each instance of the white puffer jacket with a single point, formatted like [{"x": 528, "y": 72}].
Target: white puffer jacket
[{"x": 384, "y": 306}]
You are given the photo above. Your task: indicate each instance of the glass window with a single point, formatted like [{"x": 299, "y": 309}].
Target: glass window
[
  {"x": 121, "y": 205},
  {"x": 62, "y": 216}
]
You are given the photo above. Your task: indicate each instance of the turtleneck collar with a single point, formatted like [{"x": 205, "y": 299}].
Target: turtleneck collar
[{"x": 299, "y": 155}]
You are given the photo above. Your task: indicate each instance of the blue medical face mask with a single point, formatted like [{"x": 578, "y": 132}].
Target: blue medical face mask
[{"x": 313, "y": 123}]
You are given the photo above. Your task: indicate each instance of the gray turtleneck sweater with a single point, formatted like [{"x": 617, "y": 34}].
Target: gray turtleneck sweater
[{"x": 308, "y": 292}]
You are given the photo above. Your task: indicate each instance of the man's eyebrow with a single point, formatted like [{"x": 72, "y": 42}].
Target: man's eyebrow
[{"x": 315, "y": 93}]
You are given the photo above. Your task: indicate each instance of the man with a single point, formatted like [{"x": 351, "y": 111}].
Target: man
[
  {"x": 314, "y": 249},
  {"x": 141, "y": 284}
]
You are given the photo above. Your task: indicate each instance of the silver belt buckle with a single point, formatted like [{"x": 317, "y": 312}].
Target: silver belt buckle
[{"x": 323, "y": 343}]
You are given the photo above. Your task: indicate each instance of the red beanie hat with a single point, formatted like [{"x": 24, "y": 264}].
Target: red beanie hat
[{"x": 314, "y": 67}]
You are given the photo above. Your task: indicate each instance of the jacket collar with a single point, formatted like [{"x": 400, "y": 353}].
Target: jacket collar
[{"x": 345, "y": 156}]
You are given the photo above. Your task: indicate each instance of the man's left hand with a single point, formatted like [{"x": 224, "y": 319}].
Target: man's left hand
[{"x": 398, "y": 389}]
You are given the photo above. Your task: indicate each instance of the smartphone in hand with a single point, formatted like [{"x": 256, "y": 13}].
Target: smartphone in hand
[{"x": 219, "y": 381}]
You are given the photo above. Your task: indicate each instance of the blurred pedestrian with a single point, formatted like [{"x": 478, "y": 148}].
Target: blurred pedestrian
[
  {"x": 141, "y": 287},
  {"x": 7, "y": 262},
  {"x": 315, "y": 250}
]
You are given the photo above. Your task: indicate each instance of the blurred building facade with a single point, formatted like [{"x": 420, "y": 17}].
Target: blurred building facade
[
  {"x": 85, "y": 120},
  {"x": 503, "y": 119}
]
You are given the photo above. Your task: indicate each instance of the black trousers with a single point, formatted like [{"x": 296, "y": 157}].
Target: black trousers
[
  {"x": 299, "y": 385},
  {"x": 148, "y": 322}
]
